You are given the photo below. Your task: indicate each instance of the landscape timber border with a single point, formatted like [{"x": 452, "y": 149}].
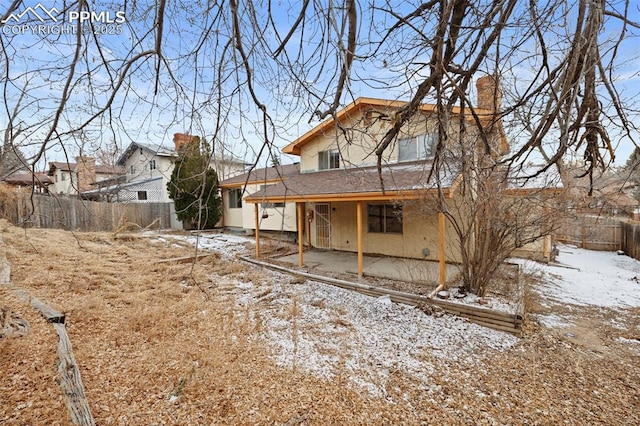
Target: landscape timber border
[
  {"x": 70, "y": 380},
  {"x": 494, "y": 319}
]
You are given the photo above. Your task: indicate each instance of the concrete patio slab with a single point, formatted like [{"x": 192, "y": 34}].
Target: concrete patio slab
[{"x": 394, "y": 268}]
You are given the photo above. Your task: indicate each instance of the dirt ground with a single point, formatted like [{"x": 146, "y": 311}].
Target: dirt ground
[{"x": 164, "y": 343}]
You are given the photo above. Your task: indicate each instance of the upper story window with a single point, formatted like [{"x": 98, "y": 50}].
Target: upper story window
[
  {"x": 132, "y": 170},
  {"x": 418, "y": 147},
  {"x": 235, "y": 198},
  {"x": 63, "y": 176},
  {"x": 152, "y": 165},
  {"x": 329, "y": 159}
]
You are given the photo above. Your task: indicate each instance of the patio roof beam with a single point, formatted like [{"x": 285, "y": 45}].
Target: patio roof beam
[
  {"x": 257, "y": 224},
  {"x": 359, "y": 228},
  {"x": 300, "y": 208},
  {"x": 328, "y": 198}
]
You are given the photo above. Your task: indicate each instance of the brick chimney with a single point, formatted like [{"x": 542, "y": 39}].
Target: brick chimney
[
  {"x": 181, "y": 139},
  {"x": 86, "y": 171},
  {"x": 490, "y": 98},
  {"x": 489, "y": 93}
]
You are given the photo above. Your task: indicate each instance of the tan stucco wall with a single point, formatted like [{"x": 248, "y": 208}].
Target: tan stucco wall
[
  {"x": 231, "y": 217},
  {"x": 279, "y": 218},
  {"x": 420, "y": 231},
  {"x": 358, "y": 146}
]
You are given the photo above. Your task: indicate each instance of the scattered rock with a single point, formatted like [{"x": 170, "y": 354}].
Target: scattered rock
[{"x": 385, "y": 300}]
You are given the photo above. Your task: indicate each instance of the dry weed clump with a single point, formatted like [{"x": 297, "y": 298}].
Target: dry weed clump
[{"x": 10, "y": 199}]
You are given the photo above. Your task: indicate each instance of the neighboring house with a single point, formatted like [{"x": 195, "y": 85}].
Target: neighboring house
[
  {"x": 40, "y": 182},
  {"x": 279, "y": 217},
  {"x": 148, "y": 168},
  {"x": 75, "y": 178},
  {"x": 341, "y": 201}
]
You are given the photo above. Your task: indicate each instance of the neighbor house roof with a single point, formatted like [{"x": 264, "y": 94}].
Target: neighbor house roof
[
  {"x": 354, "y": 108},
  {"x": 162, "y": 151},
  {"x": 70, "y": 167},
  {"x": 533, "y": 177},
  {"x": 109, "y": 170},
  {"x": 27, "y": 178},
  {"x": 119, "y": 186},
  {"x": 406, "y": 180},
  {"x": 158, "y": 150},
  {"x": 61, "y": 165}
]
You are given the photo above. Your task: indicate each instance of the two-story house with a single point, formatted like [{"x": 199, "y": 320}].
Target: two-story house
[
  {"x": 148, "y": 167},
  {"x": 75, "y": 178},
  {"x": 345, "y": 202}
]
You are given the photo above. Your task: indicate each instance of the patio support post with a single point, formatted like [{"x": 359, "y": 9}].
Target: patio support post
[
  {"x": 257, "y": 223},
  {"x": 441, "y": 255},
  {"x": 300, "y": 207},
  {"x": 359, "y": 227}
]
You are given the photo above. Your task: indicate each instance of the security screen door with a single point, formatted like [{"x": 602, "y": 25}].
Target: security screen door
[{"x": 323, "y": 225}]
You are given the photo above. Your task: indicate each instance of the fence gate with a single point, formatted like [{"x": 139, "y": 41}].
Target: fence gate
[{"x": 323, "y": 225}]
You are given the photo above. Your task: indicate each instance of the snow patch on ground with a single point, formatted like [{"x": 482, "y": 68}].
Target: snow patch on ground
[
  {"x": 316, "y": 326},
  {"x": 371, "y": 337},
  {"x": 590, "y": 278},
  {"x": 228, "y": 245}
]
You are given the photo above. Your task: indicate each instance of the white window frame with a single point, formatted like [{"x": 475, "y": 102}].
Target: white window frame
[
  {"x": 421, "y": 147},
  {"x": 235, "y": 198},
  {"x": 329, "y": 159}
]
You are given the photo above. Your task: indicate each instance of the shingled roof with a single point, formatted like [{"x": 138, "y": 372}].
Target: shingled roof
[
  {"x": 263, "y": 175},
  {"x": 404, "y": 180}
]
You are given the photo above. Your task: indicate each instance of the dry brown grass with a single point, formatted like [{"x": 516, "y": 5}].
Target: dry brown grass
[
  {"x": 167, "y": 343},
  {"x": 143, "y": 332}
]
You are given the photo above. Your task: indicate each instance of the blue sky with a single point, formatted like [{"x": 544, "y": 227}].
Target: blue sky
[{"x": 186, "y": 98}]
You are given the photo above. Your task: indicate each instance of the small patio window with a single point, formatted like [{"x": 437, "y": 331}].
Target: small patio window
[
  {"x": 385, "y": 218},
  {"x": 235, "y": 198},
  {"x": 142, "y": 195},
  {"x": 329, "y": 159},
  {"x": 417, "y": 148}
]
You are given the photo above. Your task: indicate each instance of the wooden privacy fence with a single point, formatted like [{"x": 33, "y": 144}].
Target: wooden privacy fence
[
  {"x": 630, "y": 240},
  {"x": 590, "y": 232},
  {"x": 80, "y": 215}
]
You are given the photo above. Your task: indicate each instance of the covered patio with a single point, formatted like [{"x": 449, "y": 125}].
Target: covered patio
[{"x": 347, "y": 195}]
